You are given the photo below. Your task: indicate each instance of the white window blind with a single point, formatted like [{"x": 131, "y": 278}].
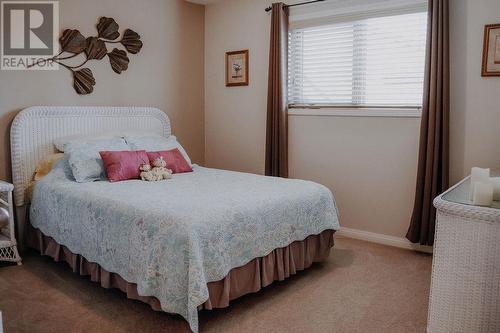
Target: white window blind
[{"x": 369, "y": 62}]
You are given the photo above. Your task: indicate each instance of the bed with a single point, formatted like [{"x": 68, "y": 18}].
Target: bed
[{"x": 193, "y": 242}]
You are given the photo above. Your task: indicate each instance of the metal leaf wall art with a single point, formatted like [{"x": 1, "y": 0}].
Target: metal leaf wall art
[{"x": 73, "y": 43}]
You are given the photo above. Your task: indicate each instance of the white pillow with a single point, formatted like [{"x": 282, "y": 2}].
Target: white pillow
[
  {"x": 155, "y": 143},
  {"x": 61, "y": 143},
  {"x": 85, "y": 161}
]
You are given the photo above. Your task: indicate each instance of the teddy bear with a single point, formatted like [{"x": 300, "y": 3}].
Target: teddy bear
[
  {"x": 146, "y": 173},
  {"x": 156, "y": 172},
  {"x": 160, "y": 168}
]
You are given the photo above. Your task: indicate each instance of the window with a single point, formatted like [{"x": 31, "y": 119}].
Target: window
[{"x": 366, "y": 62}]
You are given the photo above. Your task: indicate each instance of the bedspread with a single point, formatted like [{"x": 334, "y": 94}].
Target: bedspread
[{"x": 174, "y": 236}]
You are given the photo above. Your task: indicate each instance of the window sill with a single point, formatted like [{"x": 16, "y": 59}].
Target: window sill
[{"x": 357, "y": 112}]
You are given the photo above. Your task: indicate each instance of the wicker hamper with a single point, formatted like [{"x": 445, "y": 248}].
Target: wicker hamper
[{"x": 465, "y": 288}]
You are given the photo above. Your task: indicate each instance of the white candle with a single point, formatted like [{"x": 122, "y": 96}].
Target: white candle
[
  {"x": 482, "y": 194},
  {"x": 478, "y": 175},
  {"x": 495, "y": 181}
]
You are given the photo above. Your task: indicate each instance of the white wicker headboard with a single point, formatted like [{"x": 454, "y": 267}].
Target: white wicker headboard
[{"x": 34, "y": 130}]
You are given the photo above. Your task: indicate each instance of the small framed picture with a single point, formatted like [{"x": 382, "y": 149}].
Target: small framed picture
[
  {"x": 237, "y": 68},
  {"x": 491, "y": 50}
]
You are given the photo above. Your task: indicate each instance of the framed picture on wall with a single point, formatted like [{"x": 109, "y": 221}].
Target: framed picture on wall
[
  {"x": 491, "y": 50},
  {"x": 237, "y": 68}
]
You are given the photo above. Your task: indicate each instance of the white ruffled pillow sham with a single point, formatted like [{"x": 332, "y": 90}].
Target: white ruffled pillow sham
[
  {"x": 61, "y": 143},
  {"x": 155, "y": 143},
  {"x": 85, "y": 161}
]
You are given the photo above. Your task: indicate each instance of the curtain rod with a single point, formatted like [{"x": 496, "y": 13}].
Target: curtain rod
[{"x": 268, "y": 9}]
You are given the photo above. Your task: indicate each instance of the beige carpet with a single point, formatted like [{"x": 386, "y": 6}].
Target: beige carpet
[{"x": 363, "y": 287}]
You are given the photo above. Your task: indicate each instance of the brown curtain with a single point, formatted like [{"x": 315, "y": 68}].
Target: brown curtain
[
  {"x": 433, "y": 159},
  {"x": 277, "y": 122}
]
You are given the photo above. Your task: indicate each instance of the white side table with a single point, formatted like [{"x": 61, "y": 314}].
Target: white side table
[
  {"x": 8, "y": 244},
  {"x": 465, "y": 288}
]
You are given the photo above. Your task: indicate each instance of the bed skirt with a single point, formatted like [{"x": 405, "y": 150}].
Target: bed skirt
[{"x": 255, "y": 275}]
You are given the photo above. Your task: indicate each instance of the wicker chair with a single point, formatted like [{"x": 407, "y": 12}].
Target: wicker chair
[{"x": 8, "y": 244}]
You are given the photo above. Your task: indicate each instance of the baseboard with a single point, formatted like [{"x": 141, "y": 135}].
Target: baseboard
[{"x": 373, "y": 237}]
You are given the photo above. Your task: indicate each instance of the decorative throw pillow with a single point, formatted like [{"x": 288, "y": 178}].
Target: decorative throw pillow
[
  {"x": 42, "y": 169},
  {"x": 155, "y": 143},
  {"x": 45, "y": 165},
  {"x": 85, "y": 161},
  {"x": 175, "y": 161},
  {"x": 123, "y": 165}
]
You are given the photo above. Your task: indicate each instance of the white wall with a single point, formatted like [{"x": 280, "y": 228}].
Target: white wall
[
  {"x": 475, "y": 106},
  {"x": 235, "y": 117},
  {"x": 368, "y": 163}
]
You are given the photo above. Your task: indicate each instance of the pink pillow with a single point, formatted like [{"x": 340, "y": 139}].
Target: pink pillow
[
  {"x": 175, "y": 161},
  {"x": 123, "y": 165}
]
